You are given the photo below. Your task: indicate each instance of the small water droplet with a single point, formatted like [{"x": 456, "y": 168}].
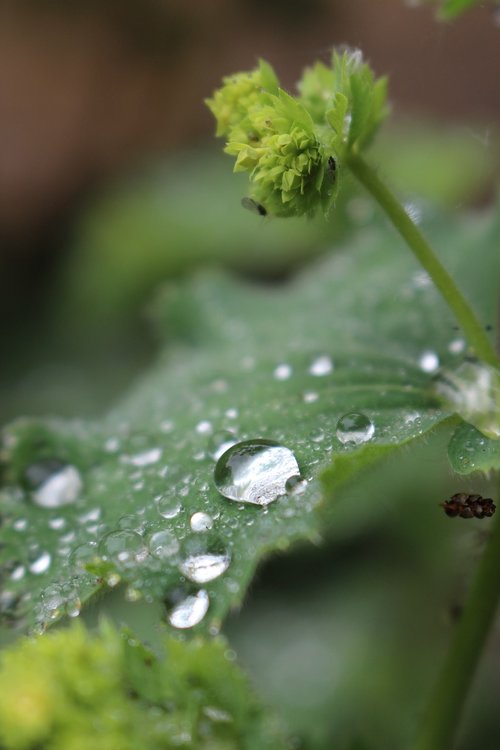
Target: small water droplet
[
  {"x": 18, "y": 573},
  {"x": 163, "y": 544},
  {"x": 168, "y": 506},
  {"x": 204, "y": 428},
  {"x": 125, "y": 548},
  {"x": 54, "y": 484},
  {"x": 457, "y": 346},
  {"x": 146, "y": 458},
  {"x": 83, "y": 555},
  {"x": 166, "y": 426},
  {"x": 40, "y": 564},
  {"x": 220, "y": 441},
  {"x": 21, "y": 524},
  {"x": 321, "y": 366},
  {"x": 295, "y": 485},
  {"x": 57, "y": 523},
  {"x": 422, "y": 280},
  {"x": 354, "y": 429},
  {"x": 282, "y": 372},
  {"x": 190, "y": 611},
  {"x": 429, "y": 361},
  {"x": 217, "y": 715},
  {"x": 112, "y": 445},
  {"x": 231, "y": 413},
  {"x": 310, "y": 397},
  {"x": 201, "y": 522},
  {"x": 255, "y": 471}
]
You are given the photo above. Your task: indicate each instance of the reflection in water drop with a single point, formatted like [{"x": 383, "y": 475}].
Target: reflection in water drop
[
  {"x": 321, "y": 366},
  {"x": 354, "y": 429},
  {"x": 201, "y": 522},
  {"x": 205, "y": 567},
  {"x": 55, "y": 484},
  {"x": 190, "y": 611},
  {"x": 255, "y": 471}
]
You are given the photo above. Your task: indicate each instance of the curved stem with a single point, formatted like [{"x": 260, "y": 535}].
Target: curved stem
[
  {"x": 464, "y": 314},
  {"x": 445, "y": 706}
]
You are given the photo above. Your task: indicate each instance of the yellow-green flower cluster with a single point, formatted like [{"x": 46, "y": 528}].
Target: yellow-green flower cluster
[
  {"x": 72, "y": 690},
  {"x": 293, "y": 148},
  {"x": 285, "y": 161},
  {"x": 239, "y": 96}
]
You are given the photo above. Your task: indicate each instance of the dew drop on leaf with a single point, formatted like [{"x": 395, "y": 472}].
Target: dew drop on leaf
[
  {"x": 429, "y": 361},
  {"x": 54, "y": 484},
  {"x": 190, "y": 611},
  {"x": 354, "y": 429},
  {"x": 146, "y": 458},
  {"x": 123, "y": 548},
  {"x": 205, "y": 567},
  {"x": 321, "y": 366},
  {"x": 163, "y": 544},
  {"x": 255, "y": 471},
  {"x": 201, "y": 522},
  {"x": 40, "y": 564},
  {"x": 220, "y": 441},
  {"x": 282, "y": 372},
  {"x": 295, "y": 485},
  {"x": 168, "y": 506}
]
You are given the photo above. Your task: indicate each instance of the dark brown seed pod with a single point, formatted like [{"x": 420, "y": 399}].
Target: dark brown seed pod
[{"x": 469, "y": 506}]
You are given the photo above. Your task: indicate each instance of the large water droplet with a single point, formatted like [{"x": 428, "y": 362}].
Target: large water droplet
[
  {"x": 255, "y": 471},
  {"x": 55, "y": 484},
  {"x": 354, "y": 429},
  {"x": 204, "y": 568},
  {"x": 190, "y": 611}
]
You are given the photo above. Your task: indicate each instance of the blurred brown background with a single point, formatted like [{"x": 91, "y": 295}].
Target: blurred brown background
[
  {"x": 87, "y": 89},
  {"x": 94, "y": 91}
]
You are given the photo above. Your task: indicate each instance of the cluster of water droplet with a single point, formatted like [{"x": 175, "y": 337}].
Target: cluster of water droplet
[{"x": 172, "y": 539}]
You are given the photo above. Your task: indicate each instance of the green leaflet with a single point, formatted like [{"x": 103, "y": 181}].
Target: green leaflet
[{"x": 221, "y": 377}]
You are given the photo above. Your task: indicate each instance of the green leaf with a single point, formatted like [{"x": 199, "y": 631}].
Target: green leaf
[
  {"x": 469, "y": 450},
  {"x": 452, "y": 8},
  {"x": 221, "y": 377}
]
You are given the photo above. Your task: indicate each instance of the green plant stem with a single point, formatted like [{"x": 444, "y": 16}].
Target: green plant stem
[
  {"x": 463, "y": 312},
  {"x": 442, "y": 717}
]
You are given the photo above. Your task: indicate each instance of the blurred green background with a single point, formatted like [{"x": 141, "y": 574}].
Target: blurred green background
[{"x": 111, "y": 185}]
